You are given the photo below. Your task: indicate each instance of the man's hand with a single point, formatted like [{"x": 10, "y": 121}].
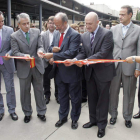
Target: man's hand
[
  {"x": 28, "y": 56},
  {"x": 80, "y": 64},
  {"x": 69, "y": 62},
  {"x": 7, "y": 56},
  {"x": 48, "y": 55},
  {"x": 51, "y": 61},
  {"x": 137, "y": 73},
  {"x": 56, "y": 49},
  {"x": 129, "y": 59},
  {"x": 40, "y": 54}
]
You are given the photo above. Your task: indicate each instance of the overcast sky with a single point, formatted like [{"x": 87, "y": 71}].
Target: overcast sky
[{"x": 113, "y": 4}]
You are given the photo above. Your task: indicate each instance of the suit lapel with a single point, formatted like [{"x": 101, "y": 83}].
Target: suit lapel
[
  {"x": 130, "y": 30},
  {"x": 31, "y": 37},
  {"x": 22, "y": 37},
  {"x": 97, "y": 36},
  {"x": 66, "y": 38},
  {"x": 120, "y": 30},
  {"x": 4, "y": 32},
  {"x": 57, "y": 38},
  {"x": 47, "y": 41},
  {"x": 87, "y": 37}
]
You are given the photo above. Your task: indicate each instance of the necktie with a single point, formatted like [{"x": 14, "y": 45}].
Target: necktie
[
  {"x": 27, "y": 37},
  {"x": 61, "y": 39},
  {"x": 1, "y": 60},
  {"x": 92, "y": 39}
]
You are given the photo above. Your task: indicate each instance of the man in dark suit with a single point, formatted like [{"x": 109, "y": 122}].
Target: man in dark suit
[
  {"x": 27, "y": 42},
  {"x": 47, "y": 38},
  {"x": 65, "y": 45},
  {"x": 7, "y": 68},
  {"x": 97, "y": 44}
]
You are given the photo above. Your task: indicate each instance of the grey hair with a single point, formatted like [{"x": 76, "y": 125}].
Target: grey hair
[
  {"x": 63, "y": 16},
  {"x": 1, "y": 13},
  {"x": 22, "y": 15}
]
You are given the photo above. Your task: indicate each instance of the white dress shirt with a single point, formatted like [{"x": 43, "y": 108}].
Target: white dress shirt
[
  {"x": 125, "y": 28},
  {"x": 94, "y": 33},
  {"x": 65, "y": 32},
  {"x": 51, "y": 36}
]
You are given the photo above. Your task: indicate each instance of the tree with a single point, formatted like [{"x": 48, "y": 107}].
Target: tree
[{"x": 138, "y": 16}]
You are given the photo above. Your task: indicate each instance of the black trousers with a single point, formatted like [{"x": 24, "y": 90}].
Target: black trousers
[
  {"x": 98, "y": 101},
  {"x": 47, "y": 83},
  {"x": 139, "y": 94},
  {"x": 84, "y": 86},
  {"x": 64, "y": 91}
]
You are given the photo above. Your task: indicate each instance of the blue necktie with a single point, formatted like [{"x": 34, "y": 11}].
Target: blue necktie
[{"x": 1, "y": 60}]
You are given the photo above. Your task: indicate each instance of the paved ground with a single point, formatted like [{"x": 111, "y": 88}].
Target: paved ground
[{"x": 37, "y": 130}]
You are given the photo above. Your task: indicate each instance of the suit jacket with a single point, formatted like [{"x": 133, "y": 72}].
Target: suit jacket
[
  {"x": 69, "y": 50},
  {"x": 20, "y": 47},
  {"x": 126, "y": 46},
  {"x": 102, "y": 48},
  {"x": 6, "y": 48},
  {"x": 46, "y": 45}
]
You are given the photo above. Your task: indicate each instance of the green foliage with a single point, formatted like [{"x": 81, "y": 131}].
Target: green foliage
[{"x": 138, "y": 16}]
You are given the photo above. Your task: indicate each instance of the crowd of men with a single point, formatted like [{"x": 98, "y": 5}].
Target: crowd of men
[{"x": 97, "y": 83}]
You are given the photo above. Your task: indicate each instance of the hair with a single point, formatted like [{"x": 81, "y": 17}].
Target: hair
[
  {"x": 32, "y": 24},
  {"x": 63, "y": 16},
  {"x": 74, "y": 26},
  {"x": 22, "y": 15},
  {"x": 1, "y": 13},
  {"x": 50, "y": 18},
  {"x": 129, "y": 9}
]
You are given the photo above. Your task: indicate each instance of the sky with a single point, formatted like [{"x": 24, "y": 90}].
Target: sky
[{"x": 113, "y": 4}]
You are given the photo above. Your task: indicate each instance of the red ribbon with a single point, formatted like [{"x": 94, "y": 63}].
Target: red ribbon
[
  {"x": 32, "y": 59},
  {"x": 91, "y": 61}
]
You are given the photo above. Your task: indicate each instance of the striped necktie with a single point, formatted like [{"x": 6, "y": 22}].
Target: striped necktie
[
  {"x": 1, "y": 60},
  {"x": 92, "y": 39}
]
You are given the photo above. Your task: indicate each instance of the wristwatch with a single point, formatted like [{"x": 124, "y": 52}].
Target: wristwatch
[{"x": 133, "y": 58}]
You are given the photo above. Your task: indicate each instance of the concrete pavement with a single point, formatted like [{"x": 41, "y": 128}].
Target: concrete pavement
[{"x": 38, "y": 130}]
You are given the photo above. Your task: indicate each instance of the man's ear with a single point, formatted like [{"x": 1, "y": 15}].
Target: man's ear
[{"x": 130, "y": 15}]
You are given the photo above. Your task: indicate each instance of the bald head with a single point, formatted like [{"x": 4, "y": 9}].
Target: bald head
[
  {"x": 61, "y": 16},
  {"x": 92, "y": 15},
  {"x": 61, "y": 21},
  {"x": 91, "y": 21}
]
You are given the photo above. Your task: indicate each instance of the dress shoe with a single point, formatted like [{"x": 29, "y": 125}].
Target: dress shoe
[
  {"x": 42, "y": 117},
  {"x": 101, "y": 133},
  {"x": 1, "y": 116},
  {"x": 60, "y": 123},
  {"x": 74, "y": 125},
  {"x": 128, "y": 124},
  {"x": 84, "y": 100},
  {"x": 88, "y": 125},
  {"x": 27, "y": 119},
  {"x": 57, "y": 101},
  {"x": 14, "y": 116},
  {"x": 136, "y": 116},
  {"x": 47, "y": 100},
  {"x": 113, "y": 121}
]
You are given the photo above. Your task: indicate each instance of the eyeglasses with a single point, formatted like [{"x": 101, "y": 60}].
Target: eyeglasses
[{"x": 33, "y": 26}]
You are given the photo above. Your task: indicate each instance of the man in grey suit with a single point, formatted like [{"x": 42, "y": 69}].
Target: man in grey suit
[
  {"x": 126, "y": 37},
  {"x": 7, "y": 69},
  {"x": 47, "y": 38},
  {"x": 27, "y": 42}
]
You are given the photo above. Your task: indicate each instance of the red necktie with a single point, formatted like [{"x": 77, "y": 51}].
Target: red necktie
[{"x": 61, "y": 39}]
